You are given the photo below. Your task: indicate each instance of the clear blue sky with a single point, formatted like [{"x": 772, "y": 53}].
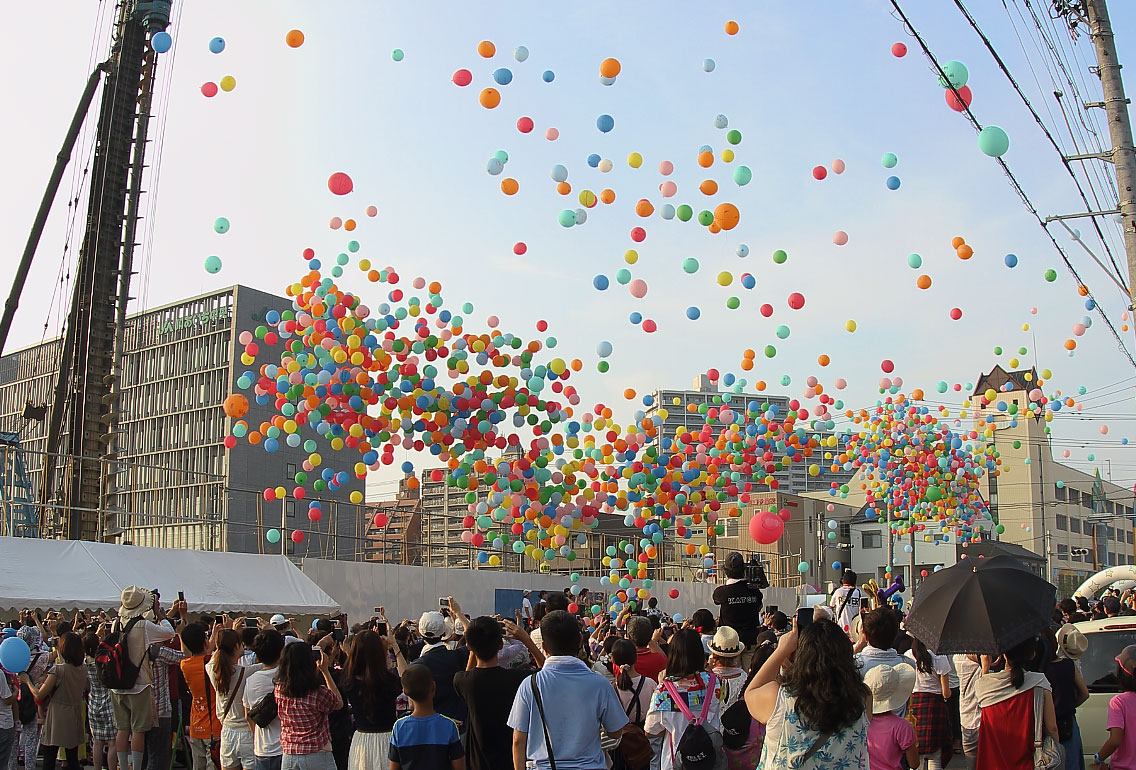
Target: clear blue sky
[{"x": 804, "y": 82}]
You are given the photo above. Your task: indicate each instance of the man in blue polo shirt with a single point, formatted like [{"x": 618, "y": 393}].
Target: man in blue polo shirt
[{"x": 576, "y": 701}]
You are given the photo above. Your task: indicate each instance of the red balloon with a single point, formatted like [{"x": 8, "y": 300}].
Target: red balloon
[
  {"x": 520, "y": 248},
  {"x": 796, "y": 300},
  {"x": 961, "y": 101},
  {"x": 673, "y": 593},
  {"x": 297, "y": 536},
  {"x": 649, "y": 326},
  {"x": 573, "y": 607},
  {"x": 638, "y": 234},
  {"x": 380, "y": 520},
  {"x": 339, "y": 183},
  {"x": 299, "y": 493},
  {"x": 819, "y": 172},
  {"x": 887, "y": 366},
  {"x": 230, "y": 442},
  {"x": 766, "y": 527},
  {"x": 767, "y": 310},
  {"x": 898, "y": 50},
  {"x": 524, "y": 125},
  {"x": 270, "y": 494},
  {"x": 956, "y": 313},
  {"x": 462, "y": 78},
  {"x": 209, "y": 89}
]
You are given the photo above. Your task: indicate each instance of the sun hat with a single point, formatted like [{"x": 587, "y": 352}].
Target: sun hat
[
  {"x": 433, "y": 625},
  {"x": 1071, "y": 642},
  {"x": 891, "y": 686},
  {"x": 135, "y": 602},
  {"x": 726, "y": 643}
]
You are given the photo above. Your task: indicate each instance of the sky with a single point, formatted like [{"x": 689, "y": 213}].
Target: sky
[{"x": 805, "y": 83}]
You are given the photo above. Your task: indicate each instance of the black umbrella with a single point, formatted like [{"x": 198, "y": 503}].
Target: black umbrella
[{"x": 981, "y": 606}]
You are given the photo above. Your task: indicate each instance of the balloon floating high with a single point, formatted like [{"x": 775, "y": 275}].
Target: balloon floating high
[{"x": 340, "y": 183}]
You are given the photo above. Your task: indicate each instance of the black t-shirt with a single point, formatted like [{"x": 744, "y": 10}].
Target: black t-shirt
[
  {"x": 443, "y": 664},
  {"x": 741, "y": 609},
  {"x": 380, "y": 715},
  {"x": 489, "y": 693}
]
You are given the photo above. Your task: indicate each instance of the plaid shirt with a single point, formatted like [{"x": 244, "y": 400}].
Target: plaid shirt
[
  {"x": 303, "y": 721},
  {"x": 161, "y": 658}
]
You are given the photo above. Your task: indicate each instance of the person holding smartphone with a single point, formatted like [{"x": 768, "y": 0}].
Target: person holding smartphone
[{"x": 305, "y": 694}]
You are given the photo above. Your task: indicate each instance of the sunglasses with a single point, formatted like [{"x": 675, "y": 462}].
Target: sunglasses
[{"x": 1123, "y": 667}]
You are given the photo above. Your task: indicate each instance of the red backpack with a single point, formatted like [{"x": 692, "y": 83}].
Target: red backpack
[{"x": 112, "y": 660}]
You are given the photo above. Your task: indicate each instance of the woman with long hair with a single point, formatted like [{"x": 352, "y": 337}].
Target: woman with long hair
[
  {"x": 681, "y": 696},
  {"x": 267, "y": 645},
  {"x": 372, "y": 689},
  {"x": 634, "y": 690},
  {"x": 818, "y": 707},
  {"x": 228, "y": 678},
  {"x": 1010, "y": 700},
  {"x": 65, "y": 685},
  {"x": 929, "y": 705},
  {"x": 305, "y": 694}
]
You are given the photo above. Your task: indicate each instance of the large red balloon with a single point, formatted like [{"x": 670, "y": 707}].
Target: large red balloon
[
  {"x": 339, "y": 183},
  {"x": 766, "y": 527}
]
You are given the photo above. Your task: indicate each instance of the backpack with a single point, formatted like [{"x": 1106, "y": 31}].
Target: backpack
[
  {"x": 736, "y": 721},
  {"x": 634, "y": 750},
  {"x": 27, "y": 704},
  {"x": 695, "y": 747},
  {"x": 115, "y": 669}
]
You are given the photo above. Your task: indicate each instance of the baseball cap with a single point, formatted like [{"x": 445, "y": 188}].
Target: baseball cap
[
  {"x": 433, "y": 625},
  {"x": 734, "y": 562},
  {"x": 278, "y": 620}
]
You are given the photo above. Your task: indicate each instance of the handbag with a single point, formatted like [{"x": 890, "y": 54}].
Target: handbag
[
  {"x": 634, "y": 746},
  {"x": 1048, "y": 754},
  {"x": 264, "y": 711}
]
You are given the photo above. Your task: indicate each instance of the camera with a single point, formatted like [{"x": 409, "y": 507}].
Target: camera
[{"x": 755, "y": 573}]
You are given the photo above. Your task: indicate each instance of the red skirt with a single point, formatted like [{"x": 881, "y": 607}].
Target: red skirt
[{"x": 932, "y": 724}]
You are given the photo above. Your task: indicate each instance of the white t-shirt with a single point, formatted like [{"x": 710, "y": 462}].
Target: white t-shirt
[
  {"x": 235, "y": 719},
  {"x": 526, "y": 608},
  {"x": 930, "y": 682},
  {"x": 6, "y": 720},
  {"x": 265, "y": 740},
  {"x": 844, "y": 617},
  {"x": 970, "y": 713}
]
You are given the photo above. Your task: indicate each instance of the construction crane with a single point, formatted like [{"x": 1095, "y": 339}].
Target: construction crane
[{"x": 78, "y": 481}]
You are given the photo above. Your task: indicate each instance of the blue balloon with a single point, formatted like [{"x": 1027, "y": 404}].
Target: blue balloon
[
  {"x": 217, "y": 45},
  {"x": 893, "y": 183},
  {"x": 605, "y": 123},
  {"x": 693, "y": 313},
  {"x": 15, "y": 655},
  {"x": 600, "y": 282},
  {"x": 742, "y": 250},
  {"x": 161, "y": 42},
  {"x": 594, "y": 160},
  {"x": 494, "y": 166},
  {"x": 548, "y": 76},
  {"x": 503, "y": 76},
  {"x": 1011, "y": 260},
  {"x": 521, "y": 53},
  {"x": 708, "y": 65},
  {"x": 748, "y": 281},
  {"x": 636, "y": 317},
  {"x": 559, "y": 173},
  {"x": 1090, "y": 304}
]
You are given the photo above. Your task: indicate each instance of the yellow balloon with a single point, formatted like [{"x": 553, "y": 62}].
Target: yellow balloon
[
  {"x": 356, "y": 496},
  {"x": 228, "y": 83},
  {"x": 850, "y": 325},
  {"x": 727, "y": 156},
  {"x": 635, "y": 160}
]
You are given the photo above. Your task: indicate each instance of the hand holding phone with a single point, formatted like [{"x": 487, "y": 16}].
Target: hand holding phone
[{"x": 804, "y": 618}]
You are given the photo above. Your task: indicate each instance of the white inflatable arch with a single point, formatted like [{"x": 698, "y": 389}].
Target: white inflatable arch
[{"x": 1104, "y": 579}]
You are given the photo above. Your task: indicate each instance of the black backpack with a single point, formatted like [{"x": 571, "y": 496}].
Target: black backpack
[
  {"x": 27, "y": 704},
  {"x": 736, "y": 722},
  {"x": 695, "y": 748},
  {"x": 115, "y": 669}
]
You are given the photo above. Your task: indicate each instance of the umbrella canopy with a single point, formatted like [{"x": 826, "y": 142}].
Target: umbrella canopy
[{"x": 981, "y": 606}]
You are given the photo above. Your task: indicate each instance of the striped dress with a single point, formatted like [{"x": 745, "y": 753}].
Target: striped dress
[{"x": 100, "y": 714}]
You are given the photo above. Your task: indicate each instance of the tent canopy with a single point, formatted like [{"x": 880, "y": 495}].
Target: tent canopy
[{"x": 82, "y": 575}]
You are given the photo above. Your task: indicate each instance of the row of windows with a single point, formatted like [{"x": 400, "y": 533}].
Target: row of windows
[
  {"x": 1085, "y": 499},
  {"x": 1077, "y": 527}
]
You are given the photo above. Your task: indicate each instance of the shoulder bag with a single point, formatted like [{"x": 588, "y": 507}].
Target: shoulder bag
[
  {"x": 634, "y": 746},
  {"x": 543, "y": 722},
  {"x": 1048, "y": 754}
]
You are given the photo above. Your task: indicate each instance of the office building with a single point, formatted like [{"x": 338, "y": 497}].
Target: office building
[{"x": 173, "y": 484}]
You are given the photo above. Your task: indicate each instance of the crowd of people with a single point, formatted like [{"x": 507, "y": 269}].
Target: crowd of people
[{"x": 841, "y": 685}]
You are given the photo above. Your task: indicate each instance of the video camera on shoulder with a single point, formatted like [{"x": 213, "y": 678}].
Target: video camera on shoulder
[{"x": 755, "y": 573}]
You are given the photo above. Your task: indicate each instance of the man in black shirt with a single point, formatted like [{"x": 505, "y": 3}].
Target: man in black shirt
[
  {"x": 489, "y": 691},
  {"x": 443, "y": 663},
  {"x": 740, "y": 602}
]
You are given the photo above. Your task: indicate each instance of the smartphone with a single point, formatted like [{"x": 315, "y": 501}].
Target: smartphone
[
  {"x": 381, "y": 628},
  {"x": 444, "y": 602},
  {"x": 251, "y": 623},
  {"x": 338, "y": 634},
  {"x": 771, "y": 608},
  {"x": 378, "y": 610},
  {"x": 804, "y": 617},
  {"x": 181, "y": 596},
  {"x": 219, "y": 619}
]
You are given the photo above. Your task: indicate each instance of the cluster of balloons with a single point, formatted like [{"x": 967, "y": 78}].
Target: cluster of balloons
[{"x": 161, "y": 43}]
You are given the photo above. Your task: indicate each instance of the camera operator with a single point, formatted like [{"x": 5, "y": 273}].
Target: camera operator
[{"x": 740, "y": 602}]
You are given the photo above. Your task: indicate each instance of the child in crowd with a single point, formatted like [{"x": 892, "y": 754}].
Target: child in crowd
[
  {"x": 890, "y": 737},
  {"x": 1119, "y": 751},
  {"x": 425, "y": 740}
]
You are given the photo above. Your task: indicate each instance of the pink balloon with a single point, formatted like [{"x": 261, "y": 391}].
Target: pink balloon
[
  {"x": 666, "y": 168},
  {"x": 638, "y": 288},
  {"x": 840, "y": 238},
  {"x": 372, "y": 211},
  {"x": 766, "y": 527},
  {"x": 551, "y": 134},
  {"x": 668, "y": 188},
  {"x": 838, "y": 166}
]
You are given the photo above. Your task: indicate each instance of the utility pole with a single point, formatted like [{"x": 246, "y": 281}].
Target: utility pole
[{"x": 1115, "y": 105}]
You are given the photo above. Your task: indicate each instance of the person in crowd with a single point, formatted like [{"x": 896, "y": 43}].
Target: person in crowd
[
  {"x": 818, "y": 708},
  {"x": 739, "y": 601},
  {"x": 424, "y": 739},
  {"x": 551, "y": 603},
  {"x": 339, "y": 720},
  {"x": 134, "y": 711},
  {"x": 653, "y": 610},
  {"x": 371, "y": 688},
  {"x": 1009, "y": 699},
  {"x": 746, "y": 756},
  {"x": 604, "y": 664},
  {"x": 489, "y": 691},
  {"x": 682, "y": 695},
  {"x": 651, "y": 659},
  {"x": 968, "y": 668},
  {"x": 568, "y": 700},
  {"x": 1111, "y": 606},
  {"x": 248, "y": 636},
  {"x": 1069, "y": 690},
  {"x": 28, "y": 739},
  {"x": 9, "y": 692},
  {"x": 444, "y": 662},
  {"x": 228, "y": 678},
  {"x": 634, "y": 689},
  {"x": 845, "y": 601},
  {"x": 877, "y": 632},
  {"x": 891, "y": 738},
  {"x": 702, "y": 621},
  {"x": 1119, "y": 751},
  {"x": 726, "y": 650},
  {"x": 902, "y": 642},
  {"x": 100, "y": 714},
  {"x": 204, "y": 725},
  {"x": 162, "y": 658},
  {"x": 284, "y": 627},
  {"x": 929, "y": 705},
  {"x": 267, "y": 753},
  {"x": 305, "y": 694},
  {"x": 526, "y": 608},
  {"x": 63, "y": 690}
]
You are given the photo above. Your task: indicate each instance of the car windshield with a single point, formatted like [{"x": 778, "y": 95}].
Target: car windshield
[{"x": 1098, "y": 664}]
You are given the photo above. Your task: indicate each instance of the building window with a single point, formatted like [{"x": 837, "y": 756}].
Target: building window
[
  {"x": 290, "y": 509},
  {"x": 1062, "y": 522},
  {"x": 291, "y": 471},
  {"x": 1128, "y": 534},
  {"x": 1075, "y": 526},
  {"x": 1075, "y": 557},
  {"x": 1062, "y": 551},
  {"x": 1059, "y": 492},
  {"x": 873, "y": 540},
  {"x": 1110, "y": 533},
  {"x": 845, "y": 532}
]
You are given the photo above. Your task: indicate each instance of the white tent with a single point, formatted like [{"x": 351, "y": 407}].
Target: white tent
[{"x": 81, "y": 575}]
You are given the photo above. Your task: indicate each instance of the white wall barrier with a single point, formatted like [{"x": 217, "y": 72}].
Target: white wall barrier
[{"x": 406, "y": 591}]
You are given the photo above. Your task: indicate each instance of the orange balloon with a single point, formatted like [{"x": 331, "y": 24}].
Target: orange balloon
[
  {"x": 923, "y": 282},
  {"x": 706, "y": 159},
  {"x": 490, "y": 97},
  {"x": 917, "y": 394},
  {"x": 609, "y": 68},
  {"x": 236, "y": 406},
  {"x": 747, "y": 364},
  {"x": 509, "y": 186},
  {"x": 563, "y": 188},
  {"x": 823, "y": 360},
  {"x": 731, "y": 28},
  {"x": 294, "y": 38},
  {"x": 748, "y": 353},
  {"x": 629, "y": 393},
  {"x": 708, "y": 187},
  {"x": 644, "y": 208},
  {"x": 964, "y": 252},
  {"x": 726, "y": 216},
  {"x": 349, "y": 225},
  {"x": 957, "y": 241},
  {"x": 486, "y": 49},
  {"x": 1070, "y": 344},
  {"x": 607, "y": 196},
  {"x": 1083, "y": 290},
  {"x": 714, "y": 227}
]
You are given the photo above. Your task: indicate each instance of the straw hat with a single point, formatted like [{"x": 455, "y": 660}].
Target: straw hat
[
  {"x": 1071, "y": 642},
  {"x": 726, "y": 643},
  {"x": 891, "y": 686},
  {"x": 135, "y": 601}
]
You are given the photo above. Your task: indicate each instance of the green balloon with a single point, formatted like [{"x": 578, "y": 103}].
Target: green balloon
[
  {"x": 733, "y": 303},
  {"x": 212, "y": 264},
  {"x": 889, "y": 160},
  {"x": 934, "y": 494},
  {"x": 705, "y": 217},
  {"x": 684, "y": 212},
  {"x": 780, "y": 256},
  {"x": 1051, "y": 275},
  {"x": 502, "y": 156},
  {"x": 397, "y": 54},
  {"x": 742, "y": 175},
  {"x": 993, "y": 141},
  {"x": 567, "y": 218},
  {"x": 272, "y": 535},
  {"x": 782, "y": 332},
  {"x": 733, "y": 136},
  {"x": 914, "y": 261},
  {"x": 602, "y": 367},
  {"x": 770, "y": 351},
  {"x": 221, "y": 225},
  {"x": 997, "y": 350},
  {"x": 957, "y": 74},
  {"x": 690, "y": 265}
]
